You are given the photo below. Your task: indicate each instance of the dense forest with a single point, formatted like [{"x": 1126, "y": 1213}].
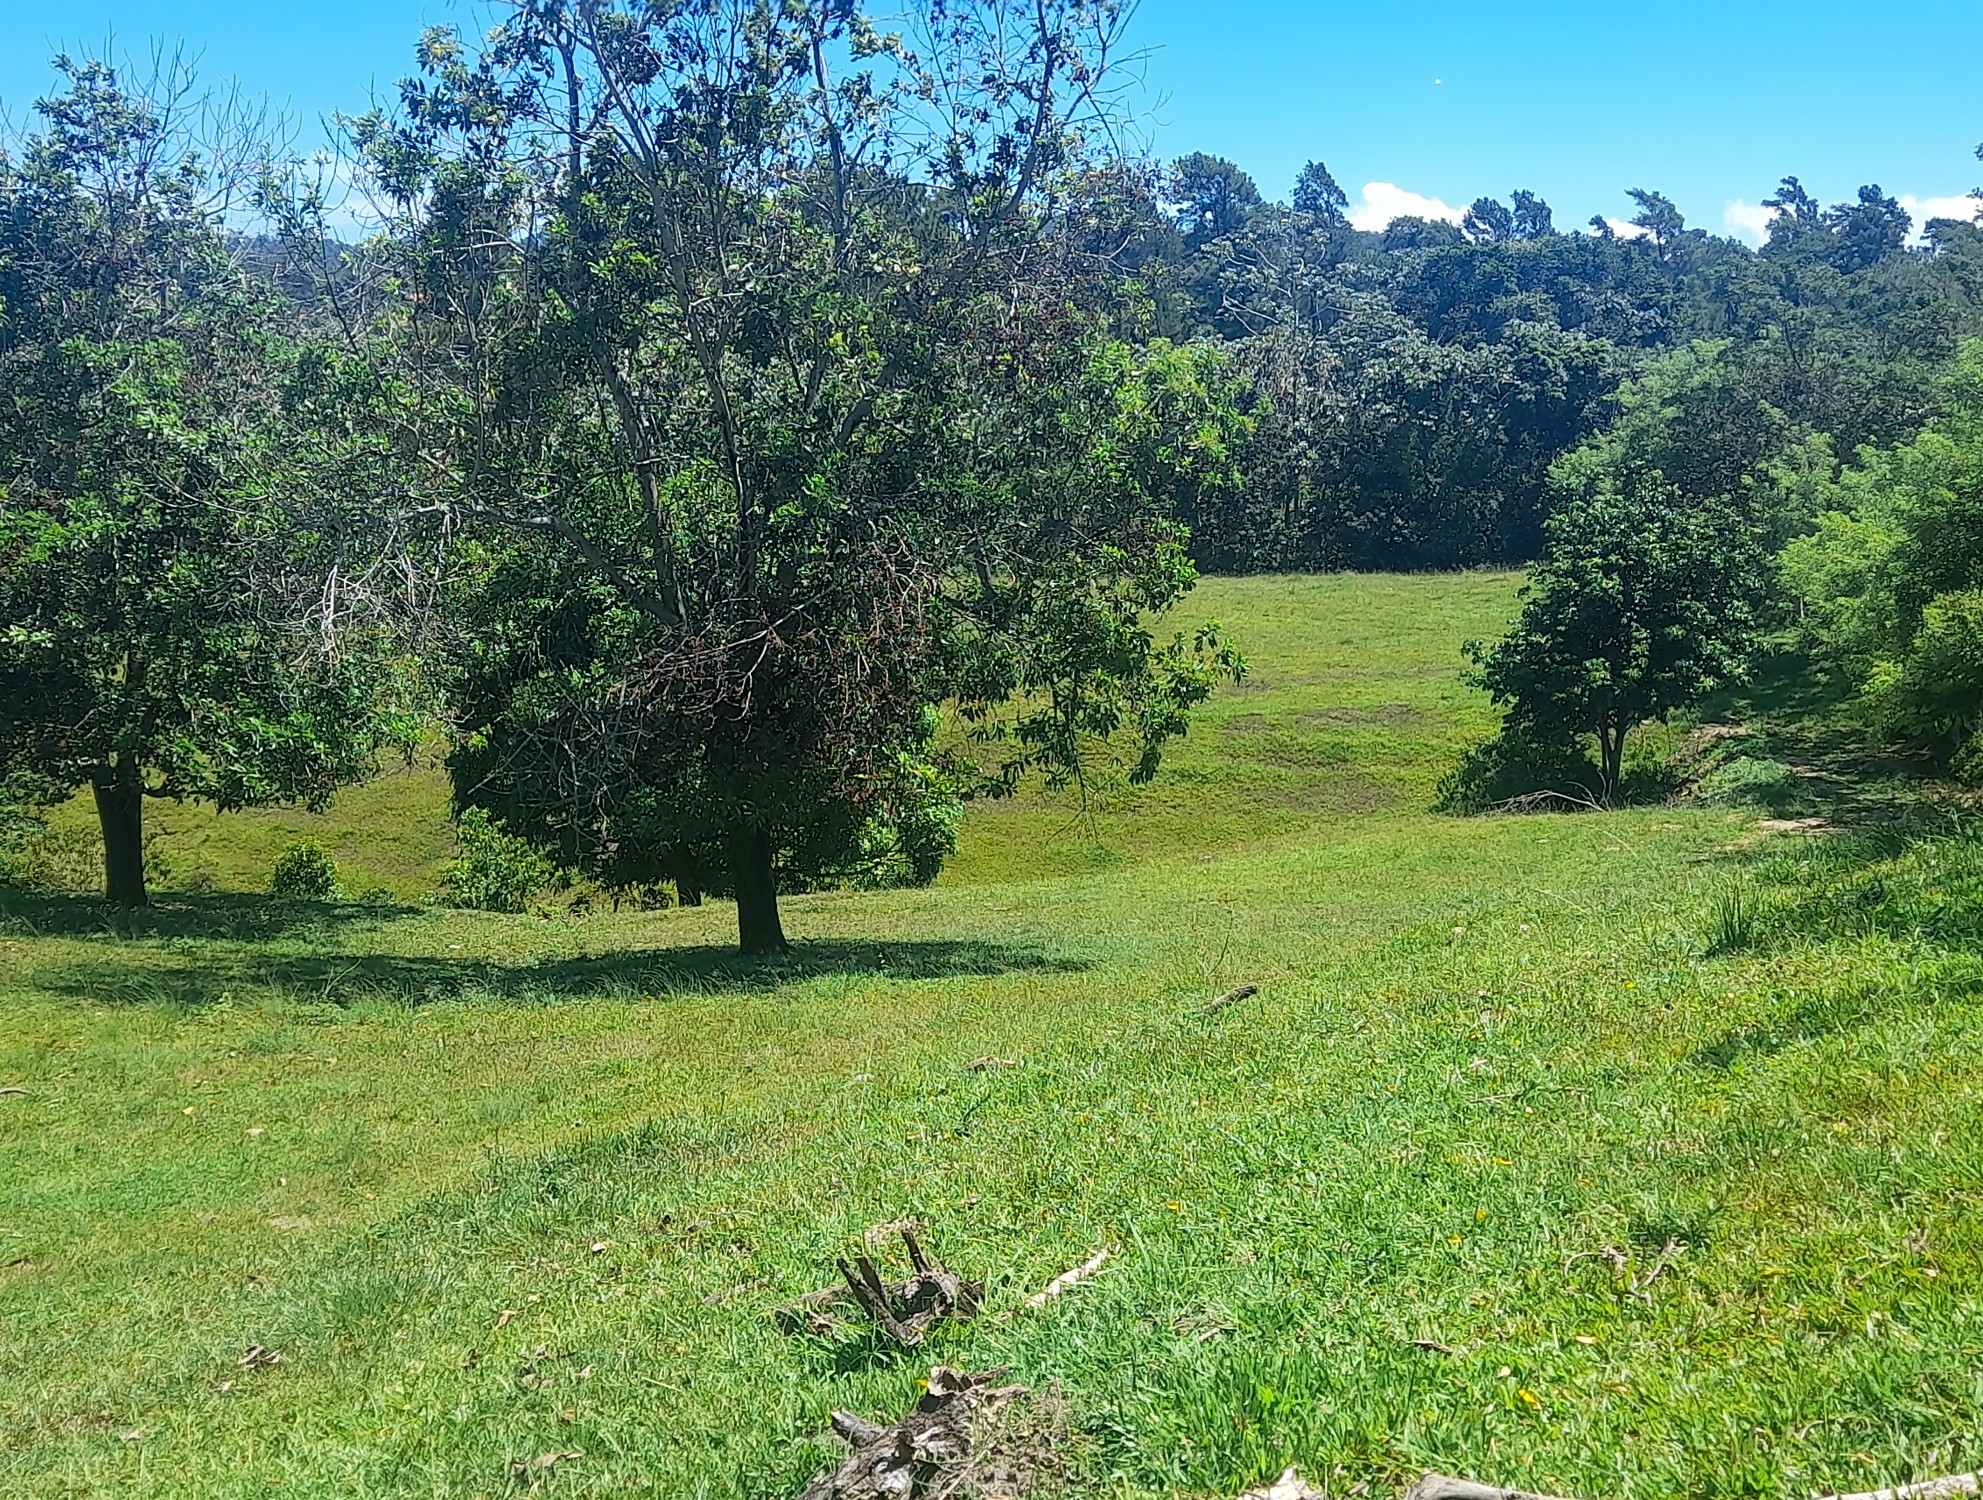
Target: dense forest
[
  {"x": 723, "y": 401},
  {"x": 1411, "y": 390}
]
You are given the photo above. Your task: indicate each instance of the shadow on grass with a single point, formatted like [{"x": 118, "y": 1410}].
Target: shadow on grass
[
  {"x": 176, "y": 979},
  {"x": 227, "y": 915},
  {"x": 1795, "y": 713}
]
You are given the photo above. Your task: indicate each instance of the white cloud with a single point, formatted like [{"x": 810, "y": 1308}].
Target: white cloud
[
  {"x": 1954, "y": 206},
  {"x": 1384, "y": 201},
  {"x": 1746, "y": 220},
  {"x": 1751, "y": 221},
  {"x": 1625, "y": 229}
]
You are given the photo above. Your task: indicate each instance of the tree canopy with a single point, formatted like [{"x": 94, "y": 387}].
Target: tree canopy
[
  {"x": 757, "y": 429},
  {"x": 169, "y": 619},
  {"x": 769, "y": 379}
]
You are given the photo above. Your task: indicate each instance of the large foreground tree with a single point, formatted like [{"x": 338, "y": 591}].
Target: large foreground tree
[
  {"x": 756, "y": 349},
  {"x": 166, "y": 628}
]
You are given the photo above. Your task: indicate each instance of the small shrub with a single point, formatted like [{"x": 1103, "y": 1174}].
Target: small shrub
[
  {"x": 1751, "y": 781},
  {"x": 304, "y": 871},
  {"x": 910, "y": 850},
  {"x": 496, "y": 871}
]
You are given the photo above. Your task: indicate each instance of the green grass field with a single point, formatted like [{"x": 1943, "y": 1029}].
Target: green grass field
[{"x": 1534, "y": 1159}]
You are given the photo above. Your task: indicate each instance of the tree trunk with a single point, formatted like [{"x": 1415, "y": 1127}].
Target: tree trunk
[
  {"x": 120, "y": 809},
  {"x": 756, "y": 882},
  {"x": 688, "y": 876},
  {"x": 1612, "y": 744}
]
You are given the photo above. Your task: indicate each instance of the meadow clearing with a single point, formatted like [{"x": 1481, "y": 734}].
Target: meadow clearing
[{"x": 1628, "y": 1154}]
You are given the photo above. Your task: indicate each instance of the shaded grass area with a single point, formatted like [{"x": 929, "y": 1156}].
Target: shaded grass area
[
  {"x": 1505, "y": 1170},
  {"x": 1796, "y": 741}
]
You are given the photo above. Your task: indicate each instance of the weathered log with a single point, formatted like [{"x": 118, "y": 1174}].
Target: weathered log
[
  {"x": 917, "y": 1457},
  {"x": 904, "y": 1310}
]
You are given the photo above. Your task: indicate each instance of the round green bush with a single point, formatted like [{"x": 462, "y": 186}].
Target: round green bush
[
  {"x": 304, "y": 871},
  {"x": 496, "y": 871}
]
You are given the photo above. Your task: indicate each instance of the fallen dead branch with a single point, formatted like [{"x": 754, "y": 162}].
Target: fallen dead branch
[
  {"x": 1232, "y": 997},
  {"x": 927, "y": 1454},
  {"x": 11, "y": 1090},
  {"x": 1066, "y": 1281},
  {"x": 1445, "y": 1487},
  {"x": 1530, "y": 802},
  {"x": 904, "y": 1310}
]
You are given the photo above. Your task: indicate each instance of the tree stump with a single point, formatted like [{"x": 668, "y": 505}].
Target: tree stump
[
  {"x": 923, "y": 1456},
  {"x": 904, "y": 1310}
]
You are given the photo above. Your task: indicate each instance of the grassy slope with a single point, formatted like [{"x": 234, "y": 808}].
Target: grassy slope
[{"x": 388, "y": 1145}]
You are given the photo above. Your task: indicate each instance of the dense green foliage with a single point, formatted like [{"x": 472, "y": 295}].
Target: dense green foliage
[
  {"x": 168, "y": 577},
  {"x": 1887, "y": 579},
  {"x": 1643, "y": 603},
  {"x": 495, "y": 871},
  {"x": 1416, "y": 386},
  {"x": 705, "y": 419},
  {"x": 771, "y": 424},
  {"x": 773, "y": 445},
  {"x": 305, "y": 871}
]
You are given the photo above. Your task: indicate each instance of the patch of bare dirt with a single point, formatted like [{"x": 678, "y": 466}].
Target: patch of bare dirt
[
  {"x": 1380, "y": 714},
  {"x": 1339, "y": 794}
]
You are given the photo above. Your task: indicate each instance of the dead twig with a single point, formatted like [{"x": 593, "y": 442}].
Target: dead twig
[
  {"x": 904, "y": 1310},
  {"x": 1530, "y": 802},
  {"x": 1232, "y": 997}
]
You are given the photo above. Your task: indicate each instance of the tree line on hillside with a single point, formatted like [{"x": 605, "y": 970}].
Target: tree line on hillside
[
  {"x": 1413, "y": 389},
  {"x": 730, "y": 397}
]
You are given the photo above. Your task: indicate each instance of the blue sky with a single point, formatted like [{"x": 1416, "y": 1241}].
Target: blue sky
[{"x": 1709, "y": 102}]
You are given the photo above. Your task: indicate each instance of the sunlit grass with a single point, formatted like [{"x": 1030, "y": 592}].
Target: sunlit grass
[{"x": 496, "y": 1187}]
